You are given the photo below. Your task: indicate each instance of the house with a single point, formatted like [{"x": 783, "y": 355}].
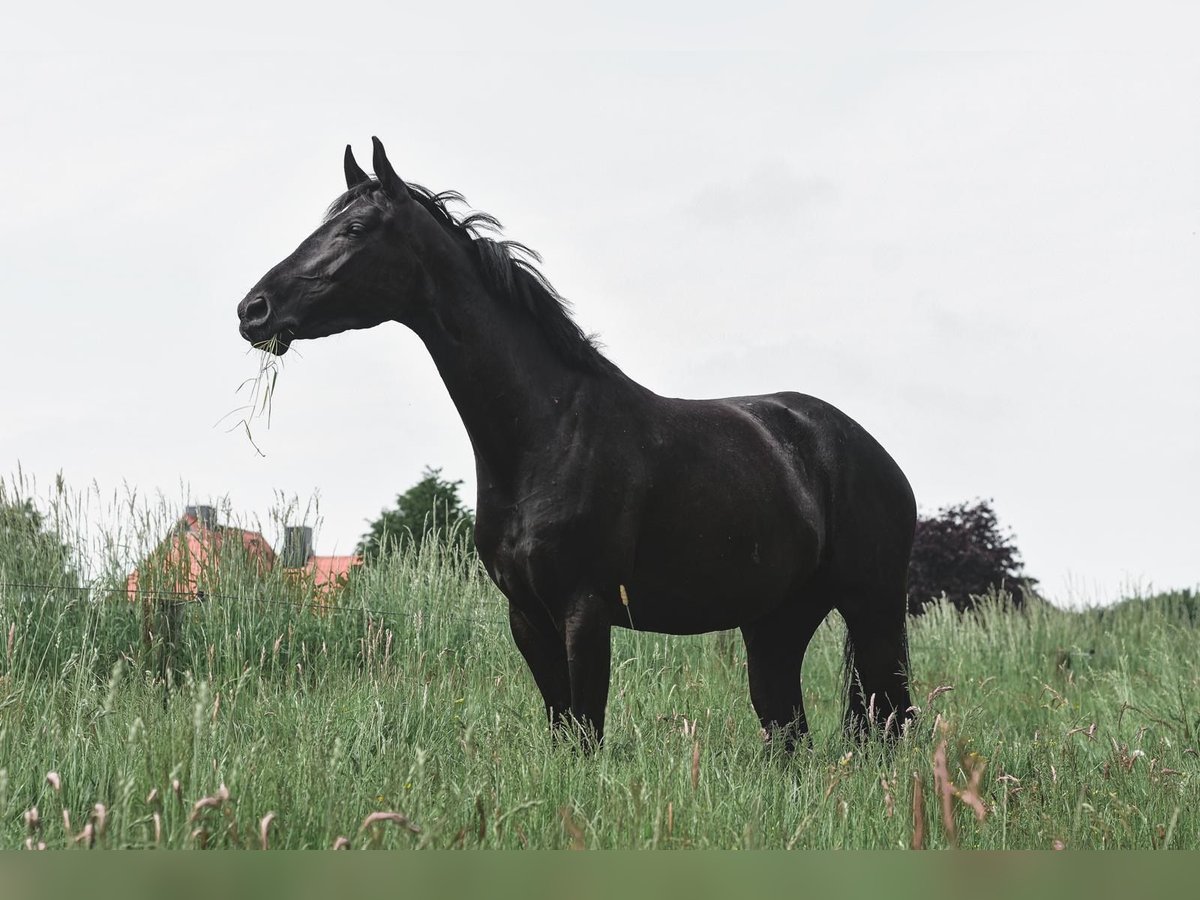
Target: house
[
  {"x": 327, "y": 573},
  {"x": 188, "y": 559}
]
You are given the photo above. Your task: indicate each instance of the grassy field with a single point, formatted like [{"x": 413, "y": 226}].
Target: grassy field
[{"x": 260, "y": 716}]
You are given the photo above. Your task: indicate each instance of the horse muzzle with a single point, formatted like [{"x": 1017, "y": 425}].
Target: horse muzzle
[{"x": 256, "y": 325}]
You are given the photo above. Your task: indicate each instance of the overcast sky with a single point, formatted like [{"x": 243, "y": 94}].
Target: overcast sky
[{"x": 988, "y": 257}]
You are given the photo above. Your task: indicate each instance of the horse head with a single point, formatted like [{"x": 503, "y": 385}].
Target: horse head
[{"x": 356, "y": 270}]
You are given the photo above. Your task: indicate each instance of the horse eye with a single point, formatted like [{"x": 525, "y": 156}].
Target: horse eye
[{"x": 354, "y": 229}]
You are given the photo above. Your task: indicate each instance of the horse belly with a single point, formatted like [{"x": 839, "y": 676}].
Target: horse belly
[
  {"x": 720, "y": 544},
  {"x": 711, "y": 584}
]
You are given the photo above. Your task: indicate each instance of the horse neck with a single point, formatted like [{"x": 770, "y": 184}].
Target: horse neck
[{"x": 511, "y": 388}]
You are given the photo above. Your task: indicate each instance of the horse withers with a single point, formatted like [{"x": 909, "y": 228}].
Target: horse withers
[{"x": 601, "y": 503}]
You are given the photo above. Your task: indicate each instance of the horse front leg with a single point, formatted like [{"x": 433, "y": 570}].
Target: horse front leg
[
  {"x": 541, "y": 643},
  {"x": 589, "y": 659}
]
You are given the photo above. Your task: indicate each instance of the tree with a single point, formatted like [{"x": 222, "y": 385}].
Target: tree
[
  {"x": 30, "y": 553},
  {"x": 431, "y": 506},
  {"x": 962, "y": 551}
]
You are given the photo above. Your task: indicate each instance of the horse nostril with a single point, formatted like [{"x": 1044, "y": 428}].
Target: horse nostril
[{"x": 257, "y": 310}]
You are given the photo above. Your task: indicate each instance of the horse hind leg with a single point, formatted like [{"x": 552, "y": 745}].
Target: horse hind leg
[
  {"x": 775, "y": 646},
  {"x": 876, "y": 665}
]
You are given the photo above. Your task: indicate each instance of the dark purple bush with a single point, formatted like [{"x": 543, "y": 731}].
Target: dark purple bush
[{"x": 962, "y": 552}]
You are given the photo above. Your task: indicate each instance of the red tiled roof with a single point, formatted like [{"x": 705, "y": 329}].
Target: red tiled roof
[
  {"x": 184, "y": 557},
  {"x": 189, "y": 553},
  {"x": 329, "y": 568},
  {"x": 329, "y": 572}
]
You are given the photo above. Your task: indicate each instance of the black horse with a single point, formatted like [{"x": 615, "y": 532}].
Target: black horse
[{"x": 601, "y": 503}]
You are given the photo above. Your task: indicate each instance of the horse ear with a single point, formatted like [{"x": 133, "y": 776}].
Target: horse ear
[
  {"x": 354, "y": 173},
  {"x": 387, "y": 176}
]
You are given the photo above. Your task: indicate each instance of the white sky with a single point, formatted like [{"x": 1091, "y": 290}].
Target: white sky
[{"x": 977, "y": 237}]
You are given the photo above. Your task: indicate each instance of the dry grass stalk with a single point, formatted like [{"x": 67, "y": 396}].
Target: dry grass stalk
[
  {"x": 839, "y": 773},
  {"x": 264, "y": 828},
  {"x": 393, "y": 817},
  {"x": 378, "y": 818},
  {"x": 573, "y": 829},
  {"x": 969, "y": 795},
  {"x": 341, "y": 843},
  {"x": 1125, "y": 756},
  {"x": 87, "y": 837},
  {"x": 918, "y": 814},
  {"x": 889, "y": 804},
  {"x": 948, "y": 791},
  {"x": 100, "y": 818},
  {"x": 1089, "y": 732},
  {"x": 944, "y": 788},
  {"x": 216, "y": 801},
  {"x": 1057, "y": 698},
  {"x": 54, "y": 781},
  {"x": 695, "y": 765}
]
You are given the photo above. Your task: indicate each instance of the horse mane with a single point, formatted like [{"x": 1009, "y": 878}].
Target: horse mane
[{"x": 508, "y": 267}]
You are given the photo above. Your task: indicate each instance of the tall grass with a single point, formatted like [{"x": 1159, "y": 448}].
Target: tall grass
[{"x": 259, "y": 715}]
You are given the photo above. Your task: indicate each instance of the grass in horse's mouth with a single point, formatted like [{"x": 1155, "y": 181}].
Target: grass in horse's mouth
[{"x": 261, "y": 389}]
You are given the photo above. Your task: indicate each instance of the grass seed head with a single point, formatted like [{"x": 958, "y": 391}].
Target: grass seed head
[{"x": 937, "y": 692}]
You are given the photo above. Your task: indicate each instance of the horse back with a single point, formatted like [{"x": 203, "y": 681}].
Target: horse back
[{"x": 787, "y": 471}]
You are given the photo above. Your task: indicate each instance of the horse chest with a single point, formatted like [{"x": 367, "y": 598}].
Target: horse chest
[{"x": 539, "y": 551}]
